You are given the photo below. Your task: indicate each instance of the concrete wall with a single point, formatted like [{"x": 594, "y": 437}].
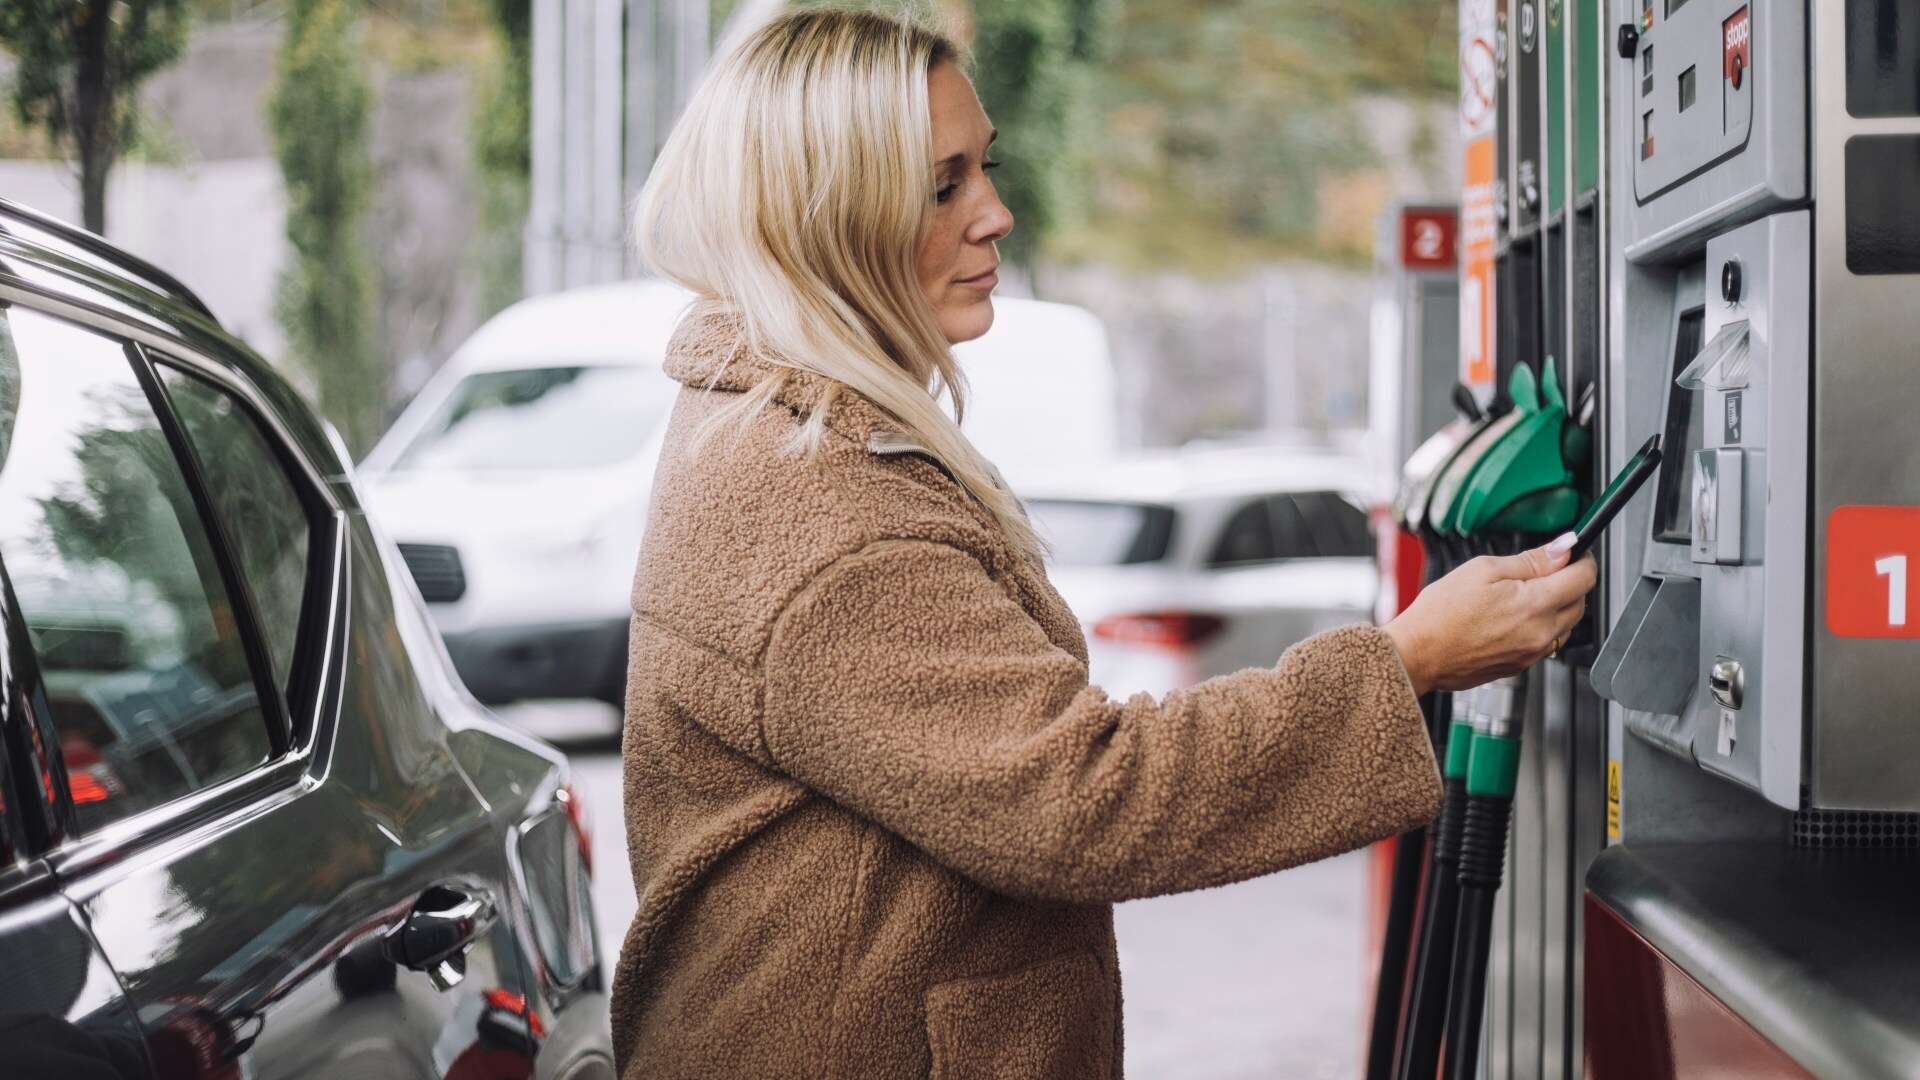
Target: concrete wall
[
  {"x": 1277, "y": 352},
  {"x": 1281, "y": 349},
  {"x": 215, "y": 215},
  {"x": 214, "y": 225}
]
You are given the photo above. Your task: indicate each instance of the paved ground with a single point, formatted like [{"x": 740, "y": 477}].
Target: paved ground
[{"x": 1258, "y": 980}]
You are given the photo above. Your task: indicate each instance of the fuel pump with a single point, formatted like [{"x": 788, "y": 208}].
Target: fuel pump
[
  {"x": 1759, "y": 668},
  {"x": 1521, "y": 491},
  {"x": 1406, "y": 896},
  {"x": 1414, "y": 361},
  {"x": 1724, "y": 243},
  {"x": 1431, "y": 509}
]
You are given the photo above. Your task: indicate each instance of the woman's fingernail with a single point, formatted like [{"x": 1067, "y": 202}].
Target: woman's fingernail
[{"x": 1563, "y": 542}]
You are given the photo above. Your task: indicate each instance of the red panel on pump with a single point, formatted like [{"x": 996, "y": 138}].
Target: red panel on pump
[
  {"x": 1402, "y": 563},
  {"x": 1646, "y": 1019}
]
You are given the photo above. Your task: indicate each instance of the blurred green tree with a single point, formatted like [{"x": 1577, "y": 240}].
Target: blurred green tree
[
  {"x": 80, "y": 63},
  {"x": 326, "y": 301},
  {"x": 1222, "y": 122},
  {"x": 1033, "y": 63},
  {"x": 503, "y": 155}
]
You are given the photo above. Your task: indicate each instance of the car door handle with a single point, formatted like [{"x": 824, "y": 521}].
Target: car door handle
[{"x": 439, "y": 930}]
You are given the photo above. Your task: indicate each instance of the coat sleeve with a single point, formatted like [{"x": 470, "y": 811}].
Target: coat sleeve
[{"x": 905, "y": 684}]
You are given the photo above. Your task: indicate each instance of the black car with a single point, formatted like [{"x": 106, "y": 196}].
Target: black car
[{"x": 250, "y": 823}]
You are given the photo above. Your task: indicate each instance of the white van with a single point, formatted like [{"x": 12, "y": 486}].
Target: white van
[
  {"x": 516, "y": 482},
  {"x": 1042, "y": 387}
]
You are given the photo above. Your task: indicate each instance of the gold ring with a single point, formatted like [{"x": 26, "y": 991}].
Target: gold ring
[{"x": 1555, "y": 651}]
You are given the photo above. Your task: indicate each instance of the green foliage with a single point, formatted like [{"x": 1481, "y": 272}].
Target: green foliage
[
  {"x": 501, "y": 132},
  {"x": 1222, "y": 122},
  {"x": 79, "y": 65},
  {"x": 1027, "y": 73},
  {"x": 326, "y": 303},
  {"x": 1032, "y": 62}
]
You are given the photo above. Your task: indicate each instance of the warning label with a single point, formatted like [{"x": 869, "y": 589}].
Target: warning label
[
  {"x": 1479, "y": 90},
  {"x": 1477, "y": 236},
  {"x": 1613, "y": 800}
]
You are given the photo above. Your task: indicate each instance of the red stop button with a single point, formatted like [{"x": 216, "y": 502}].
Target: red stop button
[
  {"x": 1873, "y": 571},
  {"x": 1736, "y": 47}
]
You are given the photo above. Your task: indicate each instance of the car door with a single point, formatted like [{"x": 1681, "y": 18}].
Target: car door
[
  {"x": 249, "y": 787},
  {"x": 62, "y": 1012}
]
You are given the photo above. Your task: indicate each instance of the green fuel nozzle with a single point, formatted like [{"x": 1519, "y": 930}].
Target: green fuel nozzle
[{"x": 1526, "y": 482}]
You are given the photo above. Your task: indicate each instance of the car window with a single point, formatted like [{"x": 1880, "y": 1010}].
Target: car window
[
  {"x": 1304, "y": 525},
  {"x": 1293, "y": 533},
  {"x": 1088, "y": 533},
  {"x": 150, "y": 690},
  {"x": 268, "y": 525},
  {"x": 544, "y": 418},
  {"x": 1339, "y": 528},
  {"x": 1248, "y": 536}
]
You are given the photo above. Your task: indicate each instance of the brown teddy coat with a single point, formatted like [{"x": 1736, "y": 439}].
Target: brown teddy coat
[{"x": 876, "y": 814}]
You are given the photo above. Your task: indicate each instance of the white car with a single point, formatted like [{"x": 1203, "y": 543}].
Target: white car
[
  {"x": 516, "y": 483},
  {"x": 1199, "y": 563}
]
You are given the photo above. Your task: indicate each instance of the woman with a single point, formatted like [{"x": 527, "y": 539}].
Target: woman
[{"x": 876, "y": 813}]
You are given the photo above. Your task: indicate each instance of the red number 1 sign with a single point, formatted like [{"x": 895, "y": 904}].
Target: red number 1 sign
[{"x": 1873, "y": 561}]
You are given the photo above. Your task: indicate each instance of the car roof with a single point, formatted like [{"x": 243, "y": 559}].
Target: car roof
[
  {"x": 1172, "y": 477},
  {"x": 632, "y": 321},
  {"x": 624, "y": 322}
]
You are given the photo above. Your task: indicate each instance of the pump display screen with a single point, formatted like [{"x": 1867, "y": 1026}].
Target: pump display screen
[{"x": 1686, "y": 416}]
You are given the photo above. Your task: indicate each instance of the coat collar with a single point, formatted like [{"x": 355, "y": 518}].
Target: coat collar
[{"x": 709, "y": 351}]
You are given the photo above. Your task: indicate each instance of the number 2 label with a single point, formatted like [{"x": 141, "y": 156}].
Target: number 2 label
[{"x": 1868, "y": 587}]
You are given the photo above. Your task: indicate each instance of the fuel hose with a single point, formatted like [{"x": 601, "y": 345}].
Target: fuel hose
[
  {"x": 1426, "y": 1016},
  {"x": 1493, "y": 769},
  {"x": 1397, "y": 943}
]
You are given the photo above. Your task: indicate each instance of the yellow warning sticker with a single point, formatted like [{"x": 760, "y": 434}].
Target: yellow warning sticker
[{"x": 1613, "y": 800}]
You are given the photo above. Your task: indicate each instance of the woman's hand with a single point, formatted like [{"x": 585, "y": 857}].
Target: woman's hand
[{"x": 1493, "y": 616}]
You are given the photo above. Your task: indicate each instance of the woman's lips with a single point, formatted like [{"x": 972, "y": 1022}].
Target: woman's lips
[{"x": 981, "y": 281}]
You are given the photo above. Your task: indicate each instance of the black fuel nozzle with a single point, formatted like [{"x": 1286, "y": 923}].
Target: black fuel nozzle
[{"x": 1466, "y": 404}]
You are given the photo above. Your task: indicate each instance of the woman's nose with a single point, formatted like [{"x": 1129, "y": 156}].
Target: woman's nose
[{"x": 993, "y": 224}]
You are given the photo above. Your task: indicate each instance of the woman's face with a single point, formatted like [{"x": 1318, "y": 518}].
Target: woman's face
[{"x": 957, "y": 259}]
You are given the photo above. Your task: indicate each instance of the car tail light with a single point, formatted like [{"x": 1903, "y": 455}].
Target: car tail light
[
  {"x": 577, "y": 815},
  {"x": 1166, "y": 629},
  {"x": 509, "y": 1002},
  {"x": 86, "y": 787},
  {"x": 89, "y": 779}
]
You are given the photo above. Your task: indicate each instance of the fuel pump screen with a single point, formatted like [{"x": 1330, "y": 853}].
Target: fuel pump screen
[{"x": 1672, "y": 524}]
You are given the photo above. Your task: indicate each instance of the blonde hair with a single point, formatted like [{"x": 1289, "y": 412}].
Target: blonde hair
[{"x": 794, "y": 194}]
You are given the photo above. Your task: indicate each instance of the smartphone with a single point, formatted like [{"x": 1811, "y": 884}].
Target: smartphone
[{"x": 1611, "y": 501}]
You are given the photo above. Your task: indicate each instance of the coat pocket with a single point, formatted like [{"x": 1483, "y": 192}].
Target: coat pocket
[{"x": 1053, "y": 1020}]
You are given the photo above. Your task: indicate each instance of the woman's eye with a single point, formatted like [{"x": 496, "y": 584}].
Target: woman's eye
[
  {"x": 986, "y": 165},
  {"x": 945, "y": 193}
]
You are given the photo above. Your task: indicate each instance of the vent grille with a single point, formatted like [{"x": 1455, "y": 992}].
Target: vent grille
[
  {"x": 1856, "y": 829},
  {"x": 436, "y": 569}
]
